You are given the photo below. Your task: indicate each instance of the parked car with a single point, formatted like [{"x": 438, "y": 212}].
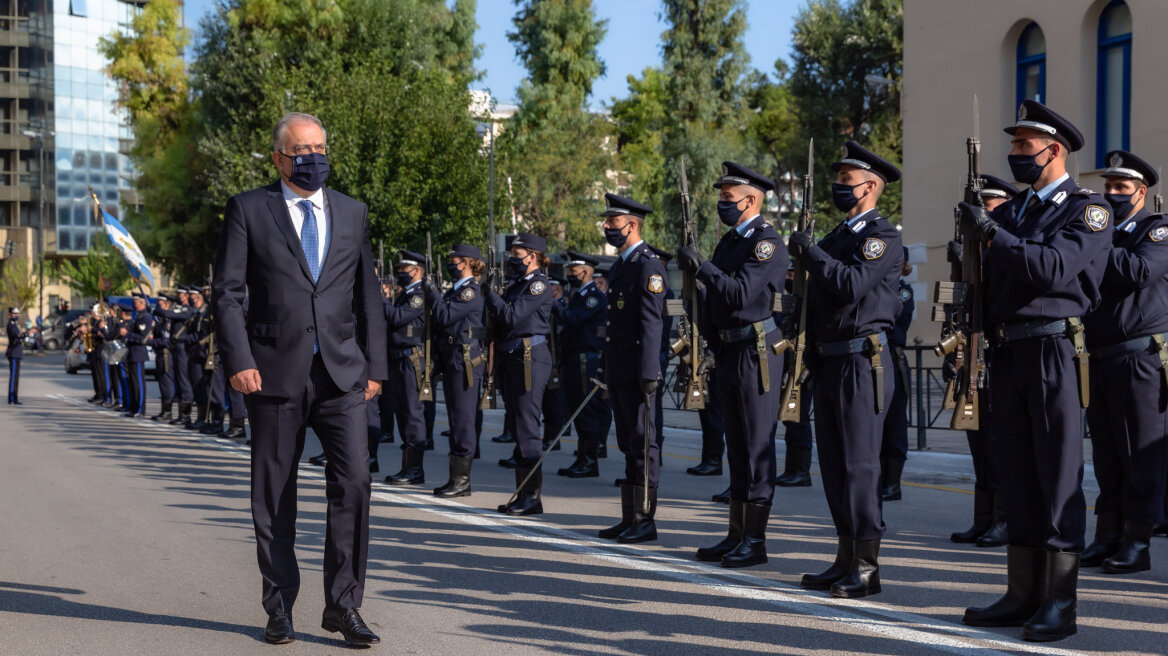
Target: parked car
[
  {"x": 59, "y": 329},
  {"x": 75, "y": 359}
]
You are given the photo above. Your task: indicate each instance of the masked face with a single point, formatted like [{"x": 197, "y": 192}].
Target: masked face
[
  {"x": 730, "y": 211},
  {"x": 403, "y": 277},
  {"x": 1025, "y": 168},
  {"x": 843, "y": 196},
  {"x": 617, "y": 237},
  {"x": 308, "y": 172},
  {"x": 453, "y": 270},
  {"x": 517, "y": 265}
]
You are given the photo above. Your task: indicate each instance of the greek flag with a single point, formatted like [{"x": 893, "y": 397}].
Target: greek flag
[{"x": 121, "y": 239}]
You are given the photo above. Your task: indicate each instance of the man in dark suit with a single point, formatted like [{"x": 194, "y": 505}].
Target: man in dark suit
[
  {"x": 14, "y": 353},
  {"x": 310, "y": 352}
]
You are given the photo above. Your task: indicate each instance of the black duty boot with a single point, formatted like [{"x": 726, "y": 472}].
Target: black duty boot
[
  {"x": 411, "y": 472},
  {"x": 506, "y": 437},
  {"x": 602, "y": 450},
  {"x": 983, "y": 518},
  {"x": 642, "y": 528},
  {"x": 509, "y": 463},
  {"x": 1134, "y": 554},
  {"x": 626, "y": 515},
  {"x": 797, "y": 472},
  {"x": 374, "y": 466},
  {"x": 236, "y": 430},
  {"x": 838, "y": 570},
  {"x": 164, "y": 414},
  {"x": 387, "y": 438},
  {"x": 1108, "y": 538},
  {"x": 752, "y": 549},
  {"x": 997, "y": 535},
  {"x": 586, "y": 464},
  {"x": 1023, "y": 588},
  {"x": 319, "y": 460},
  {"x": 200, "y": 420},
  {"x": 890, "y": 479},
  {"x": 1055, "y": 618},
  {"x": 863, "y": 577},
  {"x": 547, "y": 444},
  {"x": 1160, "y": 530},
  {"x": 215, "y": 426},
  {"x": 722, "y": 497},
  {"x": 527, "y": 502},
  {"x": 711, "y": 464},
  {"x": 733, "y": 537},
  {"x": 430, "y": 443},
  {"x": 459, "y": 483},
  {"x": 184, "y": 415}
]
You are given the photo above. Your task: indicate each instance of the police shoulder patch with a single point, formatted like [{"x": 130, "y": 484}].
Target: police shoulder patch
[
  {"x": 905, "y": 294},
  {"x": 1158, "y": 234},
  {"x": 538, "y": 287},
  {"x": 763, "y": 250},
  {"x": 873, "y": 248},
  {"x": 656, "y": 283},
  {"x": 416, "y": 301},
  {"x": 467, "y": 293},
  {"x": 591, "y": 302},
  {"x": 1096, "y": 217}
]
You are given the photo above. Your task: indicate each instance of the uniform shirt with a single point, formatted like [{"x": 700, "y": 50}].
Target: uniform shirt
[
  {"x": 1135, "y": 286},
  {"x": 1049, "y": 265},
  {"x": 319, "y": 210},
  {"x": 15, "y": 340},
  {"x": 457, "y": 313},
  {"x": 741, "y": 279},
  {"x": 405, "y": 317},
  {"x": 138, "y": 333},
  {"x": 903, "y": 307},
  {"x": 583, "y": 315},
  {"x": 524, "y": 309},
  {"x": 199, "y": 326},
  {"x": 636, "y": 313},
  {"x": 167, "y": 323},
  {"x": 853, "y": 273}
]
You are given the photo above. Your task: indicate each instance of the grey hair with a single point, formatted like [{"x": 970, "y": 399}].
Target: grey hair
[{"x": 288, "y": 119}]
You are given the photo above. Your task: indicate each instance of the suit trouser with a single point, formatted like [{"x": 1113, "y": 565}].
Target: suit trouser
[
  {"x": 848, "y": 433},
  {"x": 595, "y": 419},
  {"x": 13, "y": 379},
  {"x": 523, "y": 405},
  {"x": 894, "y": 444},
  {"x": 236, "y": 407},
  {"x": 373, "y": 425},
  {"x": 277, "y": 443},
  {"x": 751, "y": 417},
  {"x": 407, "y": 409},
  {"x": 1037, "y": 423},
  {"x": 1128, "y": 417}
]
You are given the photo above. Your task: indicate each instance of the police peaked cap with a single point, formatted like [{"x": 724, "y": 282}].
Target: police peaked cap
[
  {"x": 465, "y": 250},
  {"x": 410, "y": 258},
  {"x": 664, "y": 255},
  {"x": 860, "y": 157},
  {"x": 737, "y": 174},
  {"x": 578, "y": 259},
  {"x": 1122, "y": 164},
  {"x": 194, "y": 289},
  {"x": 617, "y": 205},
  {"x": 995, "y": 187},
  {"x": 13, "y": 310},
  {"x": 531, "y": 242},
  {"x": 1035, "y": 116}
]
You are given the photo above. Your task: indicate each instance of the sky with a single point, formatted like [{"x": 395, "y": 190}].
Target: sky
[{"x": 632, "y": 43}]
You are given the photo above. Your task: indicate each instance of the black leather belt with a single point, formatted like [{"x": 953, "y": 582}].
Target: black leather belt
[
  {"x": 846, "y": 347},
  {"x": 1013, "y": 332},
  {"x": 730, "y": 335},
  {"x": 517, "y": 343},
  {"x": 469, "y": 336},
  {"x": 1135, "y": 345}
]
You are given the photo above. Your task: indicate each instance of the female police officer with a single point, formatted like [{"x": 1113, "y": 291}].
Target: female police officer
[{"x": 522, "y": 314}]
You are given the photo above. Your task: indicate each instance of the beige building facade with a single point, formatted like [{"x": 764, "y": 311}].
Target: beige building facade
[{"x": 1096, "y": 62}]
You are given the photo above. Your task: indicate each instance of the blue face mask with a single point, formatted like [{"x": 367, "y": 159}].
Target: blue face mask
[
  {"x": 728, "y": 212},
  {"x": 844, "y": 196},
  {"x": 310, "y": 171},
  {"x": 1121, "y": 204},
  {"x": 616, "y": 237},
  {"x": 452, "y": 271},
  {"x": 515, "y": 266},
  {"x": 1025, "y": 168},
  {"x": 403, "y": 278}
]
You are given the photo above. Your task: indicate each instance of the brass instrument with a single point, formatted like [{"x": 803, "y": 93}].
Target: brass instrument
[{"x": 87, "y": 341}]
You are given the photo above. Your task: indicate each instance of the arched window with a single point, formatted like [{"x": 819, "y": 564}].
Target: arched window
[
  {"x": 1031, "y": 65},
  {"x": 1113, "y": 97}
]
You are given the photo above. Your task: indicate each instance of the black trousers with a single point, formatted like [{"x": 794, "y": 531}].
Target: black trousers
[
  {"x": 95, "y": 365},
  {"x": 136, "y": 385},
  {"x": 983, "y": 449},
  {"x": 595, "y": 419},
  {"x": 751, "y": 417},
  {"x": 13, "y": 379},
  {"x": 407, "y": 409},
  {"x": 373, "y": 425},
  {"x": 895, "y": 442},
  {"x": 462, "y": 405},
  {"x": 277, "y": 443},
  {"x": 628, "y": 414},
  {"x": 182, "y": 374},
  {"x": 523, "y": 405},
  {"x": 555, "y": 412},
  {"x": 164, "y": 373},
  {"x": 117, "y": 384},
  {"x": 1128, "y": 418},
  {"x": 711, "y": 419}
]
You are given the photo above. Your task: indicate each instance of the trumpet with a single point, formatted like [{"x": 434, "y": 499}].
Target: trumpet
[{"x": 88, "y": 342}]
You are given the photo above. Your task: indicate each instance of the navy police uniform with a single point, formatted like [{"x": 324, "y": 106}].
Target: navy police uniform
[
  {"x": 555, "y": 401},
  {"x": 405, "y": 320},
  {"x": 14, "y": 353},
  {"x": 139, "y": 332},
  {"x": 184, "y": 384},
  {"x": 894, "y": 445},
  {"x": 1128, "y": 414}
]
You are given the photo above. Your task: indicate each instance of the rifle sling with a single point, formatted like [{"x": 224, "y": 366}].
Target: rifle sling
[
  {"x": 1077, "y": 333},
  {"x": 874, "y": 347}
]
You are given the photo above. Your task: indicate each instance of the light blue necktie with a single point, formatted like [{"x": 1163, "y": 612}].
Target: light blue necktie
[{"x": 310, "y": 243}]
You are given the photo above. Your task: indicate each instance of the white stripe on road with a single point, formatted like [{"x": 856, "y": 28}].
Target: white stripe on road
[{"x": 860, "y": 615}]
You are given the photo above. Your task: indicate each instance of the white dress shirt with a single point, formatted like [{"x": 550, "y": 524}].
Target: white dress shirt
[{"x": 319, "y": 208}]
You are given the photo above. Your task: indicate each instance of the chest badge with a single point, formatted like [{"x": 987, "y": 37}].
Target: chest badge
[
  {"x": 467, "y": 293},
  {"x": 1158, "y": 234},
  {"x": 620, "y": 302},
  {"x": 873, "y": 249},
  {"x": 538, "y": 287},
  {"x": 905, "y": 295},
  {"x": 591, "y": 302},
  {"x": 415, "y": 302},
  {"x": 763, "y": 250},
  {"x": 1096, "y": 217},
  {"x": 656, "y": 283}
]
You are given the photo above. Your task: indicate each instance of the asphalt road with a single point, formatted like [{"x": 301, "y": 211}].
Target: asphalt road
[{"x": 119, "y": 536}]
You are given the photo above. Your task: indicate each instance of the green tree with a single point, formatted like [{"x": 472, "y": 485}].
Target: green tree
[
  {"x": 775, "y": 133},
  {"x": 97, "y": 274},
  {"x": 19, "y": 286},
  {"x": 848, "y": 62},
  {"x": 556, "y": 152},
  {"x": 640, "y": 120}
]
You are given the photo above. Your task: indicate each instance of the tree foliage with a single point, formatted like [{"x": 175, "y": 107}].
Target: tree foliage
[
  {"x": 640, "y": 120},
  {"x": 99, "y": 273},
  {"x": 19, "y": 286}
]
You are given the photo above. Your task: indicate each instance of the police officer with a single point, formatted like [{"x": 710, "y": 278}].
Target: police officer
[
  {"x": 169, "y": 314},
  {"x": 796, "y": 435},
  {"x": 1129, "y": 374},
  {"x": 555, "y": 412},
  {"x": 747, "y": 270},
  {"x": 458, "y": 329},
  {"x": 1043, "y": 272},
  {"x": 14, "y": 353},
  {"x": 632, "y": 363},
  {"x": 128, "y": 398},
  {"x": 196, "y": 340},
  {"x": 405, "y": 321},
  {"x": 522, "y": 317},
  {"x": 894, "y": 445},
  {"x": 184, "y": 384},
  {"x": 853, "y": 277},
  {"x": 138, "y": 336},
  {"x": 583, "y": 316},
  {"x": 84, "y": 334},
  {"x": 989, "y": 504}
]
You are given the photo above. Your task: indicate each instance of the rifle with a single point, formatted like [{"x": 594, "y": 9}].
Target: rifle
[
  {"x": 689, "y": 345},
  {"x": 961, "y": 305},
  {"x": 792, "y": 400},
  {"x": 488, "y": 400},
  {"x": 426, "y": 389},
  {"x": 1158, "y": 199}
]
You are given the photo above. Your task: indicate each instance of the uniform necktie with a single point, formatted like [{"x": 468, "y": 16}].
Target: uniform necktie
[
  {"x": 1030, "y": 203},
  {"x": 310, "y": 244}
]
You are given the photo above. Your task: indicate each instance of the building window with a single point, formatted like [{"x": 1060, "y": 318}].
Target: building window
[
  {"x": 1113, "y": 97},
  {"x": 77, "y": 8},
  {"x": 1032, "y": 65}
]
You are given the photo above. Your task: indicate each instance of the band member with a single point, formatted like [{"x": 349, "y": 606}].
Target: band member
[
  {"x": 405, "y": 317},
  {"x": 184, "y": 384},
  {"x": 137, "y": 334},
  {"x": 522, "y": 319},
  {"x": 458, "y": 329}
]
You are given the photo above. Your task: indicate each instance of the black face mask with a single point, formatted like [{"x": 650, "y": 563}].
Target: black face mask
[
  {"x": 1121, "y": 204},
  {"x": 616, "y": 237},
  {"x": 403, "y": 279},
  {"x": 844, "y": 197},
  {"x": 310, "y": 171},
  {"x": 728, "y": 212},
  {"x": 1025, "y": 168},
  {"x": 452, "y": 271},
  {"x": 515, "y": 266}
]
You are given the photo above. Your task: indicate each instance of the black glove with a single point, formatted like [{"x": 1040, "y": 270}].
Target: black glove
[
  {"x": 948, "y": 370},
  {"x": 799, "y": 242},
  {"x": 648, "y": 387},
  {"x": 976, "y": 221},
  {"x": 689, "y": 258},
  {"x": 428, "y": 285},
  {"x": 954, "y": 252}
]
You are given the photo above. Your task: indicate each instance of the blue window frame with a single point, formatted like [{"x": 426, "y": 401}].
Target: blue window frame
[
  {"x": 1113, "y": 95},
  {"x": 1032, "y": 64}
]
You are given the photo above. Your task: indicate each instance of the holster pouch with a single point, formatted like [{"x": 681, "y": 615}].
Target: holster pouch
[{"x": 873, "y": 349}]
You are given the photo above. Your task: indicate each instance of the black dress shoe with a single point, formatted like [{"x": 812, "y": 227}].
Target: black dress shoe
[
  {"x": 721, "y": 497},
  {"x": 387, "y": 438},
  {"x": 349, "y": 623},
  {"x": 446, "y": 433},
  {"x": 318, "y": 460},
  {"x": 279, "y": 629},
  {"x": 995, "y": 537},
  {"x": 602, "y": 451},
  {"x": 374, "y": 466},
  {"x": 508, "y": 463},
  {"x": 705, "y": 469},
  {"x": 505, "y": 438}
]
